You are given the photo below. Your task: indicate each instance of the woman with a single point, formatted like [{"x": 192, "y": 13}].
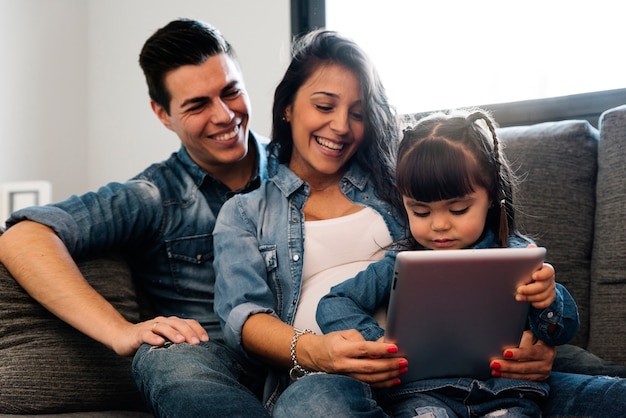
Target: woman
[
  {"x": 331, "y": 180},
  {"x": 332, "y": 156}
]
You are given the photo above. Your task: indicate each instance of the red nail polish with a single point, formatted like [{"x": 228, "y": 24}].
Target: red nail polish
[
  {"x": 495, "y": 365},
  {"x": 508, "y": 354},
  {"x": 403, "y": 371},
  {"x": 496, "y": 373},
  {"x": 392, "y": 350},
  {"x": 396, "y": 382},
  {"x": 403, "y": 364}
]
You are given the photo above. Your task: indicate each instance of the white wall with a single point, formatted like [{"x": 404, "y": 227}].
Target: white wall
[
  {"x": 74, "y": 107},
  {"x": 43, "y": 84}
]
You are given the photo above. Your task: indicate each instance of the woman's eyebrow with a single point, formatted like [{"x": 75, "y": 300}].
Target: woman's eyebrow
[{"x": 325, "y": 93}]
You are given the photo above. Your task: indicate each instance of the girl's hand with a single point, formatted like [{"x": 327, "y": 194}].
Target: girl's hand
[
  {"x": 347, "y": 352},
  {"x": 541, "y": 291}
]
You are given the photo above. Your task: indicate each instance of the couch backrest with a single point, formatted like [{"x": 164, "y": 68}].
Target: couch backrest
[
  {"x": 607, "y": 337},
  {"x": 557, "y": 163}
]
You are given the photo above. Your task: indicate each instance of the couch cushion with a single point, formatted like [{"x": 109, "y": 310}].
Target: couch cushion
[
  {"x": 557, "y": 164},
  {"x": 608, "y": 285},
  {"x": 46, "y": 366}
]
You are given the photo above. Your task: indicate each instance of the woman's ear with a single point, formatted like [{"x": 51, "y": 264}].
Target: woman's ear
[{"x": 287, "y": 115}]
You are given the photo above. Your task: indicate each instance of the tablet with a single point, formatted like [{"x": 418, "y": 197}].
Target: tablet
[{"x": 452, "y": 311}]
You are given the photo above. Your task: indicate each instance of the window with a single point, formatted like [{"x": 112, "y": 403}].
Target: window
[{"x": 560, "y": 56}]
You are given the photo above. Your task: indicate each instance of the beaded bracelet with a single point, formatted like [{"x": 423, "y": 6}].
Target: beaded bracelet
[{"x": 297, "y": 371}]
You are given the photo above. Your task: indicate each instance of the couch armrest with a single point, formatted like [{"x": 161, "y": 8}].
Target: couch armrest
[{"x": 46, "y": 366}]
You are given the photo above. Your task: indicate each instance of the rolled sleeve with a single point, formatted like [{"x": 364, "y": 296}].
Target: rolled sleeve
[
  {"x": 237, "y": 317},
  {"x": 559, "y": 322},
  {"x": 243, "y": 268},
  {"x": 97, "y": 221}
]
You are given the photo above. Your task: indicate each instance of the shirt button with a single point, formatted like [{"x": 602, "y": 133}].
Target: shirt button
[
  {"x": 199, "y": 257},
  {"x": 296, "y": 257},
  {"x": 550, "y": 315}
]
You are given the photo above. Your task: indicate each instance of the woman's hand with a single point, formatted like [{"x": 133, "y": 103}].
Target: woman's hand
[
  {"x": 532, "y": 360},
  {"x": 157, "y": 332},
  {"x": 347, "y": 352}
]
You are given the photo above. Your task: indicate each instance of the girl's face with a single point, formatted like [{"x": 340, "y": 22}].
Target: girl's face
[
  {"x": 326, "y": 122},
  {"x": 448, "y": 224}
]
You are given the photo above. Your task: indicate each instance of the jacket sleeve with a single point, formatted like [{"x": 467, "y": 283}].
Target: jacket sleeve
[
  {"x": 118, "y": 214},
  {"x": 241, "y": 270},
  {"x": 559, "y": 322},
  {"x": 353, "y": 303}
]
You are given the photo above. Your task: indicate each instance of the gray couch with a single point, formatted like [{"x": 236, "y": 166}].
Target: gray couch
[{"x": 573, "y": 202}]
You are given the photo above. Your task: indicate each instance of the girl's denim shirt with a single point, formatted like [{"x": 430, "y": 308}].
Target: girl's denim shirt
[
  {"x": 259, "y": 248},
  {"x": 372, "y": 288},
  {"x": 338, "y": 310},
  {"x": 162, "y": 222}
]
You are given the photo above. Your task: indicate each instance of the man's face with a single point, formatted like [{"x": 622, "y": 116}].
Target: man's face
[{"x": 209, "y": 111}]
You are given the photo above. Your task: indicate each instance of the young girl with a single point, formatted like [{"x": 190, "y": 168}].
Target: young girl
[{"x": 458, "y": 192}]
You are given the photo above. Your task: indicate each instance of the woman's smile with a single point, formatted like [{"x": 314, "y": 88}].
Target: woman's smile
[{"x": 328, "y": 144}]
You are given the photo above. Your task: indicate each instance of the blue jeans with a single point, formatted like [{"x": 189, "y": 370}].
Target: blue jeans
[
  {"x": 464, "y": 397},
  {"x": 571, "y": 395},
  {"x": 206, "y": 380},
  {"x": 584, "y": 395}
]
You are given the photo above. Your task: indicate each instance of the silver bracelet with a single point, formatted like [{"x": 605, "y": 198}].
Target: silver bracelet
[{"x": 297, "y": 371}]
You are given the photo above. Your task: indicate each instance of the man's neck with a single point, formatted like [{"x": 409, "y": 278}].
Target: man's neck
[{"x": 237, "y": 175}]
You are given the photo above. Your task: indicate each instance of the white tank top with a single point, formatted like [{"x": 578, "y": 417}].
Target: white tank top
[{"x": 336, "y": 250}]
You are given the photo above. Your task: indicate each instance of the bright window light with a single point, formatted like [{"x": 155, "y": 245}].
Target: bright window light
[{"x": 442, "y": 54}]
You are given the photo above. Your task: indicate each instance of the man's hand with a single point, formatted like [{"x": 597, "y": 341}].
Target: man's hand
[
  {"x": 531, "y": 361},
  {"x": 157, "y": 332}
]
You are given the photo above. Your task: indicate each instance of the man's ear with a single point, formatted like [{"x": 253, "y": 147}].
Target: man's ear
[{"x": 161, "y": 113}]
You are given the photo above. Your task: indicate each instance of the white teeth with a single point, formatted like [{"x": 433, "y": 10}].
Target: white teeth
[
  {"x": 329, "y": 144},
  {"x": 228, "y": 135}
]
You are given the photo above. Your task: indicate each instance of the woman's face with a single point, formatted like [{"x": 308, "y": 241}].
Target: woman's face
[{"x": 326, "y": 120}]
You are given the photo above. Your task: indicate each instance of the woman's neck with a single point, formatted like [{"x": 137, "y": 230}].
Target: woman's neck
[{"x": 328, "y": 202}]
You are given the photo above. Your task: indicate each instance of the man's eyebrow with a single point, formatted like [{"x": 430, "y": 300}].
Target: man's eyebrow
[
  {"x": 195, "y": 100},
  {"x": 206, "y": 99}
]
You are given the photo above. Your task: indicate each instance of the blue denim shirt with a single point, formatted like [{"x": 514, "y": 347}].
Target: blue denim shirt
[
  {"x": 162, "y": 222},
  {"x": 259, "y": 251},
  {"x": 338, "y": 310}
]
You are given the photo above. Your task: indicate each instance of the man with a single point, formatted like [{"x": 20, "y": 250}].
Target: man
[{"x": 162, "y": 222}]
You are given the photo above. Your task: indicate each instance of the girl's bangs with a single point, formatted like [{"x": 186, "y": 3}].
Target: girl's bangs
[{"x": 435, "y": 170}]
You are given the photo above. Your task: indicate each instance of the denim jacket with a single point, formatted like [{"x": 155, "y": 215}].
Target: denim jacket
[
  {"x": 259, "y": 245},
  {"x": 161, "y": 221},
  {"x": 338, "y": 310}
]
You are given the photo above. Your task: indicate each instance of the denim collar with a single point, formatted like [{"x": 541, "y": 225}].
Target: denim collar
[
  {"x": 199, "y": 175},
  {"x": 288, "y": 182}
]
